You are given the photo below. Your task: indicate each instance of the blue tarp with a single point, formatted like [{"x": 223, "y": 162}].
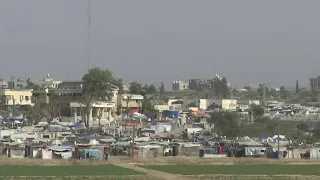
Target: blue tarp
[
  {"x": 278, "y": 139},
  {"x": 90, "y": 153},
  {"x": 262, "y": 138},
  {"x": 78, "y": 125},
  {"x": 14, "y": 119}
]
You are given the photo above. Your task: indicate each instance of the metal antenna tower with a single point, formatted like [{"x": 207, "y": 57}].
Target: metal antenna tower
[{"x": 90, "y": 30}]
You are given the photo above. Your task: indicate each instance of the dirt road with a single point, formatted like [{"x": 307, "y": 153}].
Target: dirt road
[{"x": 152, "y": 173}]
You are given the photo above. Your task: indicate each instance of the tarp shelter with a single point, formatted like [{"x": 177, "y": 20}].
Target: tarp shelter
[
  {"x": 78, "y": 125},
  {"x": 278, "y": 137},
  {"x": 263, "y": 138},
  {"x": 16, "y": 120}
]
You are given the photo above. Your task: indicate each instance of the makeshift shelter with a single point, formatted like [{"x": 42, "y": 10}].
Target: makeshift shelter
[{"x": 150, "y": 150}]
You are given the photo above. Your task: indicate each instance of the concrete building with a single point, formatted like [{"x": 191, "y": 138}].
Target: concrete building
[
  {"x": 3, "y": 84},
  {"x": 180, "y": 85},
  {"x": 68, "y": 99},
  {"x": 132, "y": 101},
  {"x": 17, "y": 96},
  {"x": 17, "y": 83},
  {"x": 201, "y": 84},
  {"x": 101, "y": 113},
  {"x": 229, "y": 104},
  {"x": 49, "y": 83},
  {"x": 315, "y": 83},
  {"x": 193, "y": 84},
  {"x": 245, "y": 104}
]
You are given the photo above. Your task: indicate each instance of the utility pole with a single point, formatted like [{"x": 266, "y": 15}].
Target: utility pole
[
  {"x": 231, "y": 99},
  {"x": 264, "y": 97},
  {"x": 278, "y": 137},
  {"x": 90, "y": 30}
]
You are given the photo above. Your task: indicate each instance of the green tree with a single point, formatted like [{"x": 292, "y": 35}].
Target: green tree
[
  {"x": 119, "y": 84},
  {"x": 297, "y": 86},
  {"x": 34, "y": 114},
  {"x": 303, "y": 127},
  {"x": 192, "y": 104},
  {"x": 261, "y": 88},
  {"x": 161, "y": 90},
  {"x": 257, "y": 111},
  {"x": 234, "y": 90},
  {"x": 314, "y": 95},
  {"x": 32, "y": 85},
  {"x": 283, "y": 92},
  {"x": 225, "y": 123},
  {"x": 149, "y": 92},
  {"x": 135, "y": 88},
  {"x": 53, "y": 108},
  {"x": 248, "y": 88},
  {"x": 220, "y": 87},
  {"x": 149, "y": 89},
  {"x": 97, "y": 85}
]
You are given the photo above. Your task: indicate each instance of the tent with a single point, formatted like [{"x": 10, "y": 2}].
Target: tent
[
  {"x": 17, "y": 120},
  {"x": 263, "y": 138}
]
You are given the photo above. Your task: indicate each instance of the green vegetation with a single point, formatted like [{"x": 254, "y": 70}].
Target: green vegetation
[
  {"x": 98, "y": 86},
  {"x": 139, "y": 177},
  {"x": 74, "y": 170},
  {"x": 267, "y": 169}
]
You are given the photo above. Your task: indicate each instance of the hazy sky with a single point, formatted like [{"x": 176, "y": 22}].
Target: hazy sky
[{"x": 248, "y": 41}]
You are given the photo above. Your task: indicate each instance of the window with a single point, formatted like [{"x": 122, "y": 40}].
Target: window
[{"x": 45, "y": 136}]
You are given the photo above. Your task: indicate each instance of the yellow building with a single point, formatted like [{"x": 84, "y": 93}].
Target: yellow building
[
  {"x": 161, "y": 108},
  {"x": 17, "y": 96}
]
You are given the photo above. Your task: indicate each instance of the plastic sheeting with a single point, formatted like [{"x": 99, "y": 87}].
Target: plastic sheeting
[
  {"x": 46, "y": 154},
  {"x": 91, "y": 153}
]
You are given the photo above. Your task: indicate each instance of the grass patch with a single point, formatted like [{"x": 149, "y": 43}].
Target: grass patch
[
  {"x": 73, "y": 170},
  {"x": 264, "y": 169},
  {"x": 138, "y": 177}
]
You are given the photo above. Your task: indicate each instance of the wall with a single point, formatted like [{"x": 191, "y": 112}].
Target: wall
[
  {"x": 180, "y": 85},
  {"x": 131, "y": 103},
  {"x": 161, "y": 107},
  {"x": 204, "y": 103},
  {"x": 229, "y": 104},
  {"x": 8, "y": 132},
  {"x": 131, "y": 100},
  {"x": 159, "y": 128},
  {"x": 18, "y": 97},
  {"x": 170, "y": 101}
]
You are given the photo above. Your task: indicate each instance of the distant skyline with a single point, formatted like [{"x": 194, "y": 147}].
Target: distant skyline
[{"x": 248, "y": 41}]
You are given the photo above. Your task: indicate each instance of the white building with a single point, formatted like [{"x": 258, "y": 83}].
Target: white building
[{"x": 101, "y": 113}]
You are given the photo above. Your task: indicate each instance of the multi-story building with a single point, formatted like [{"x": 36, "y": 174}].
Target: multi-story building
[
  {"x": 193, "y": 84},
  {"x": 315, "y": 83},
  {"x": 3, "y": 84},
  {"x": 50, "y": 83},
  {"x": 68, "y": 98},
  {"x": 132, "y": 101},
  {"x": 16, "y": 96},
  {"x": 180, "y": 85},
  {"x": 17, "y": 83}
]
